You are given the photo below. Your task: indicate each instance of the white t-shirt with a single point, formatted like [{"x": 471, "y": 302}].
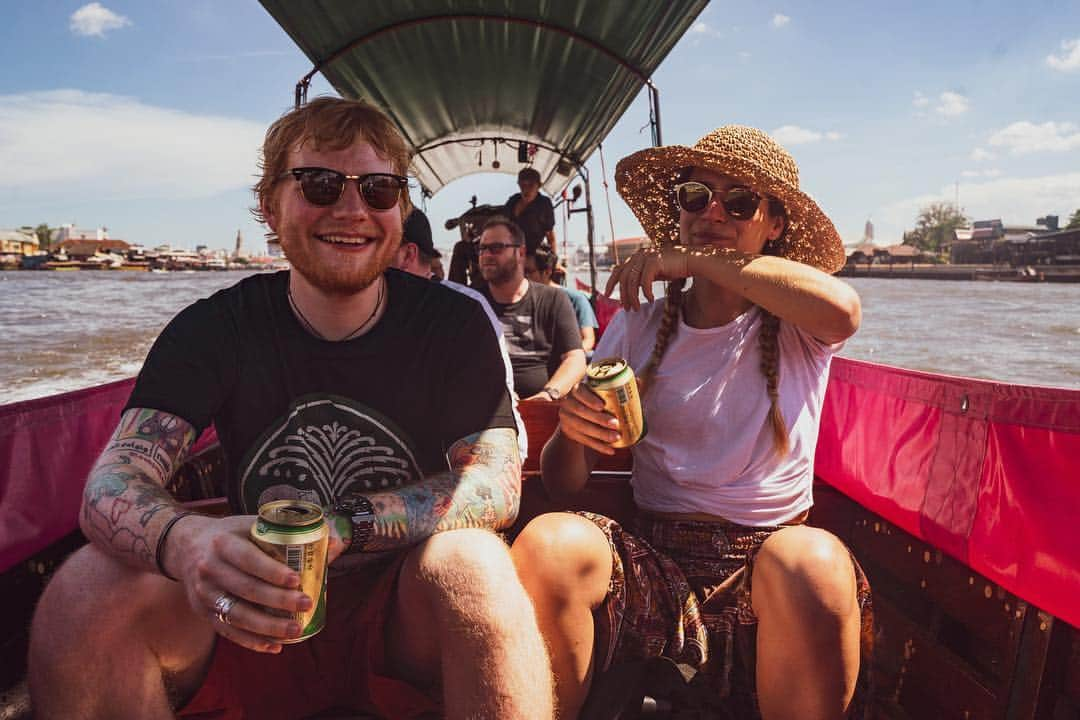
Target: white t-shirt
[{"x": 709, "y": 446}]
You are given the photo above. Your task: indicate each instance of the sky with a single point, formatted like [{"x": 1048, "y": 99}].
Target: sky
[{"x": 145, "y": 116}]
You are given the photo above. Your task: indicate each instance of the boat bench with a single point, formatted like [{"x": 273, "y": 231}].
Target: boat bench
[{"x": 949, "y": 642}]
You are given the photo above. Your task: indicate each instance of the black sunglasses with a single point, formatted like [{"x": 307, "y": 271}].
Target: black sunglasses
[
  {"x": 323, "y": 187},
  {"x": 740, "y": 202},
  {"x": 494, "y": 248}
]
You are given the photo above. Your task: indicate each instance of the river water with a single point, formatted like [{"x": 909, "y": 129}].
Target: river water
[{"x": 62, "y": 331}]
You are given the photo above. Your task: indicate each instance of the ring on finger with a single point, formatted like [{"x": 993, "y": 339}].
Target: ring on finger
[{"x": 223, "y": 606}]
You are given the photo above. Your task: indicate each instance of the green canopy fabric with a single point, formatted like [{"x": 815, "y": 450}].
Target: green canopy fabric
[{"x": 554, "y": 74}]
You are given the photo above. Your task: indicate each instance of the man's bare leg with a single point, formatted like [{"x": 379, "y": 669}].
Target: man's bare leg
[
  {"x": 803, "y": 592},
  {"x": 463, "y": 622},
  {"x": 108, "y": 641}
]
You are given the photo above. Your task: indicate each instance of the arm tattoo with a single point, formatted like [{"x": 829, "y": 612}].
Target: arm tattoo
[
  {"x": 482, "y": 489},
  {"x": 125, "y": 504}
]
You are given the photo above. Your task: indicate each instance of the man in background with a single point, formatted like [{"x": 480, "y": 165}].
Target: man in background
[
  {"x": 540, "y": 268},
  {"x": 417, "y": 253},
  {"x": 531, "y": 211},
  {"x": 538, "y": 321}
]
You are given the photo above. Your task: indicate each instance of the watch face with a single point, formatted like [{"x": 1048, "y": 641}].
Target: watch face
[
  {"x": 355, "y": 505},
  {"x": 346, "y": 505}
]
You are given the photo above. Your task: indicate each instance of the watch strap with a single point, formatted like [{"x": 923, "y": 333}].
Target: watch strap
[{"x": 361, "y": 514}]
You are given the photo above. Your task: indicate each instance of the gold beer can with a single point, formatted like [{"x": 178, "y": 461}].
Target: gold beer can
[
  {"x": 613, "y": 380},
  {"x": 295, "y": 533}
]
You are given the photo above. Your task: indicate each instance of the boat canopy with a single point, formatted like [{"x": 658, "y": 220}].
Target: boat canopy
[{"x": 491, "y": 85}]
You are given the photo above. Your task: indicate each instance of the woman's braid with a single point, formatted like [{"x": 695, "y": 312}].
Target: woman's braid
[
  {"x": 668, "y": 324},
  {"x": 770, "y": 368}
]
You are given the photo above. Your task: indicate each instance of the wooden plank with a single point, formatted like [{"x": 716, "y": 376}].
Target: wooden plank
[
  {"x": 976, "y": 618},
  {"x": 919, "y": 676},
  {"x": 1031, "y": 664}
]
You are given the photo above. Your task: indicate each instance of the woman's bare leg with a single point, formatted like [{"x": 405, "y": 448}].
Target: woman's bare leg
[
  {"x": 564, "y": 562},
  {"x": 804, "y": 595}
]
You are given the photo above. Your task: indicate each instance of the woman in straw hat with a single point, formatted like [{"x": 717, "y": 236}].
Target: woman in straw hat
[{"x": 718, "y": 571}]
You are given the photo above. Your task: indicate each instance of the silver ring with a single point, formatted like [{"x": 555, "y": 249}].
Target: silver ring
[{"x": 222, "y": 606}]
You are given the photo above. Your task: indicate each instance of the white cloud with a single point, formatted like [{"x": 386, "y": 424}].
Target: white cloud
[
  {"x": 795, "y": 135},
  {"x": 744, "y": 55},
  {"x": 1014, "y": 200},
  {"x": 95, "y": 19},
  {"x": 951, "y": 104},
  {"x": 1026, "y": 137},
  {"x": 72, "y": 143},
  {"x": 920, "y": 100},
  {"x": 1069, "y": 58},
  {"x": 703, "y": 28},
  {"x": 780, "y": 20},
  {"x": 979, "y": 154},
  {"x": 991, "y": 173}
]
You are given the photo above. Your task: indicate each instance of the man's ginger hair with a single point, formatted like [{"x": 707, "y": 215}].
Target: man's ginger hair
[{"x": 328, "y": 123}]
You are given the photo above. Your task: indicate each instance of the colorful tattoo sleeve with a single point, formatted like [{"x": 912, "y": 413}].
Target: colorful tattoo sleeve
[
  {"x": 482, "y": 489},
  {"x": 125, "y": 504}
]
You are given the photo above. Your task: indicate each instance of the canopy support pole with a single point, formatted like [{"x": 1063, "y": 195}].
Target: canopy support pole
[{"x": 654, "y": 113}]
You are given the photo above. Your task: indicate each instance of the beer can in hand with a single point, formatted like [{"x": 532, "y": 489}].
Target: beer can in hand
[
  {"x": 613, "y": 380},
  {"x": 295, "y": 533}
]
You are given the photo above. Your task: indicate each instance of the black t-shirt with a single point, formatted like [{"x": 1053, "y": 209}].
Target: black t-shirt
[
  {"x": 535, "y": 220},
  {"x": 303, "y": 418},
  {"x": 539, "y": 329}
]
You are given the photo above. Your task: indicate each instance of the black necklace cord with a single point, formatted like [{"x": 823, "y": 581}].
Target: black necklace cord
[{"x": 311, "y": 328}]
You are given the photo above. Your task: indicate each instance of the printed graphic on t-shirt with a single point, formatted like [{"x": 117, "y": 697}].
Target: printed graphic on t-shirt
[
  {"x": 326, "y": 447},
  {"x": 520, "y": 339}
]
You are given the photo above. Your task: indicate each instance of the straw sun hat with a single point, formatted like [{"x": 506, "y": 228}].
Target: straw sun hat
[{"x": 647, "y": 179}]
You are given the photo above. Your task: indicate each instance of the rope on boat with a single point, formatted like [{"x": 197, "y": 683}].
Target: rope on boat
[{"x": 607, "y": 199}]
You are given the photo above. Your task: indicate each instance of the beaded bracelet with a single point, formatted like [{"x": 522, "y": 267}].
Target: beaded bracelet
[{"x": 161, "y": 540}]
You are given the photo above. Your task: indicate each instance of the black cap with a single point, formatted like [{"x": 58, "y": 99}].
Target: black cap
[{"x": 417, "y": 230}]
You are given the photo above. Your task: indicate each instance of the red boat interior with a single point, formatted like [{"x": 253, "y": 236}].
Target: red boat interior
[{"x": 956, "y": 495}]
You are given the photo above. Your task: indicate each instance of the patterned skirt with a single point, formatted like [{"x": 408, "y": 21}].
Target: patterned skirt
[{"x": 681, "y": 589}]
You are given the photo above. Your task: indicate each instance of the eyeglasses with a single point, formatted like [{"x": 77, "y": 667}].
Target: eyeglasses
[
  {"x": 740, "y": 202},
  {"x": 494, "y": 248},
  {"x": 323, "y": 187}
]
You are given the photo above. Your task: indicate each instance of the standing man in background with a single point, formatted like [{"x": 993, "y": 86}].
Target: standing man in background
[{"x": 531, "y": 211}]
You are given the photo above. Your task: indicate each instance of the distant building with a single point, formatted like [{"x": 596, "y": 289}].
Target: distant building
[
  {"x": 70, "y": 232},
  {"x": 868, "y": 232},
  {"x": 81, "y": 249},
  {"x": 993, "y": 242},
  {"x": 18, "y": 242},
  {"x": 623, "y": 248},
  {"x": 864, "y": 252}
]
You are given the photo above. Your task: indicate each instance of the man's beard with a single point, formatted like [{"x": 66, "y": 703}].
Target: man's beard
[
  {"x": 499, "y": 274},
  {"x": 346, "y": 278}
]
